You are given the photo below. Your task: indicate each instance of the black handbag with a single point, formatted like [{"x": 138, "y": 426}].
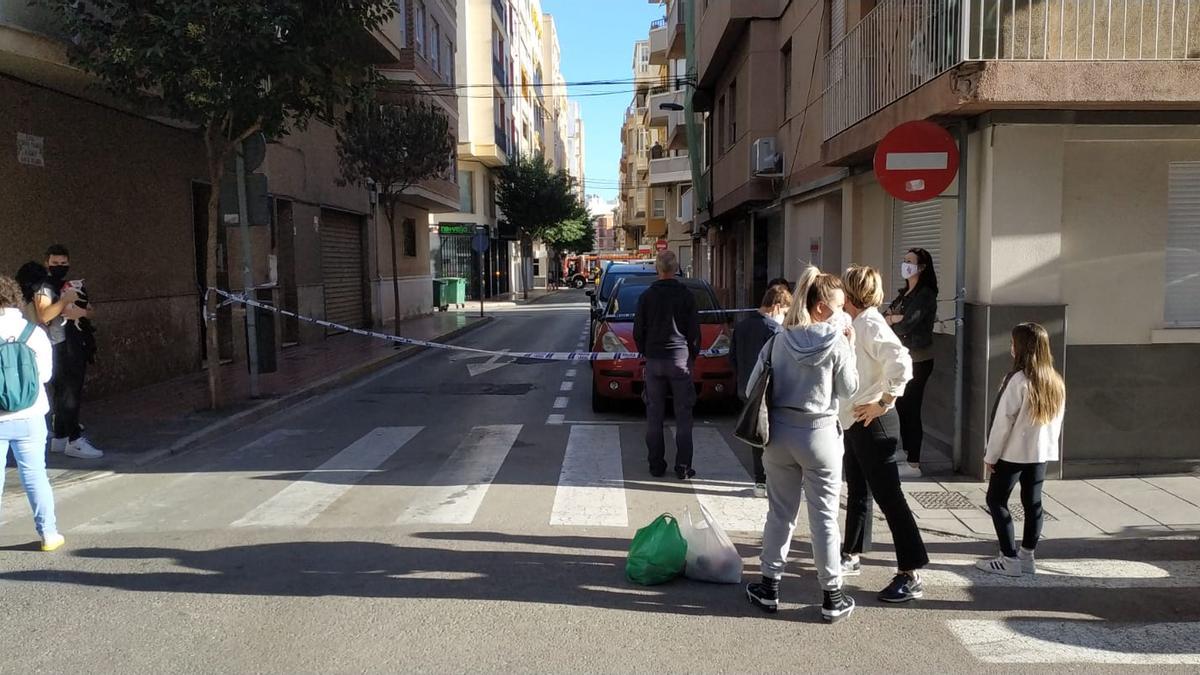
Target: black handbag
[{"x": 752, "y": 425}]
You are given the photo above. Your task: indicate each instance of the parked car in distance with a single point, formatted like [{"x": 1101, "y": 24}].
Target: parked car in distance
[
  {"x": 625, "y": 379},
  {"x": 614, "y": 273}
]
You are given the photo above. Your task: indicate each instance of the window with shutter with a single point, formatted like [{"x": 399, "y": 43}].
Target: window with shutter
[
  {"x": 1183, "y": 246},
  {"x": 917, "y": 226}
]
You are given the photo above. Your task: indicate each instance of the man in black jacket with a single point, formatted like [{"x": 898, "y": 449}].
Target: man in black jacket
[{"x": 666, "y": 329}]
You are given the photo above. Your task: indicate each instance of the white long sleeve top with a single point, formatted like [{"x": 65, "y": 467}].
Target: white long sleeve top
[
  {"x": 884, "y": 365},
  {"x": 12, "y": 324},
  {"x": 1014, "y": 437}
]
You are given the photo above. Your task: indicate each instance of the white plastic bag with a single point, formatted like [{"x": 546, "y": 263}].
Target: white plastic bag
[{"x": 711, "y": 556}]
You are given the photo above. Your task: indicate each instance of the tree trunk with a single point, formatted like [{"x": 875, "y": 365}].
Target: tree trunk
[
  {"x": 216, "y": 170},
  {"x": 395, "y": 276},
  {"x": 526, "y": 268}
]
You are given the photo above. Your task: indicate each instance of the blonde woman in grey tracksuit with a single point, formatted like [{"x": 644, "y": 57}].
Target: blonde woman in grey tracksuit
[{"x": 812, "y": 366}]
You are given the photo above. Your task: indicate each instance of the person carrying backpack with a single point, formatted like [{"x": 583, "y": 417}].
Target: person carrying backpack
[{"x": 26, "y": 364}]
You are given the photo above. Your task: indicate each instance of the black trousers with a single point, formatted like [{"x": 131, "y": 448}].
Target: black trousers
[
  {"x": 66, "y": 388},
  {"x": 1005, "y": 477},
  {"x": 870, "y": 466},
  {"x": 908, "y": 406}
]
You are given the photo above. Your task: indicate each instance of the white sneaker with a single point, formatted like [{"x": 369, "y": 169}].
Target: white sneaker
[
  {"x": 1002, "y": 565},
  {"x": 909, "y": 471},
  {"x": 80, "y": 448},
  {"x": 59, "y": 444},
  {"x": 1028, "y": 565},
  {"x": 760, "y": 490}
]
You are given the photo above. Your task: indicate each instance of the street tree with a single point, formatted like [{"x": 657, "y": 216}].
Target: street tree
[
  {"x": 231, "y": 69},
  {"x": 536, "y": 201},
  {"x": 390, "y": 147}
]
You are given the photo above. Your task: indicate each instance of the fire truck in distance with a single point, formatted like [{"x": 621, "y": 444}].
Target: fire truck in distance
[{"x": 580, "y": 270}]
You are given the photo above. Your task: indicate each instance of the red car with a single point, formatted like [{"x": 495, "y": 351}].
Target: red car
[{"x": 615, "y": 380}]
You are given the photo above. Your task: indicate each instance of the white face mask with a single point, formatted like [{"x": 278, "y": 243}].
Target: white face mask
[
  {"x": 908, "y": 270},
  {"x": 840, "y": 320},
  {"x": 778, "y": 317}
]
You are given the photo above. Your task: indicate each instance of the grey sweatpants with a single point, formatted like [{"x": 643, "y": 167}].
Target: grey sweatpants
[{"x": 804, "y": 462}]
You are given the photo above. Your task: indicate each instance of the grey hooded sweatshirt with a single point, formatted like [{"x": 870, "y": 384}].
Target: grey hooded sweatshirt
[{"x": 811, "y": 368}]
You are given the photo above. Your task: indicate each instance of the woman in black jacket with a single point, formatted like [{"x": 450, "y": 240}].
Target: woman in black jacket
[{"x": 912, "y": 315}]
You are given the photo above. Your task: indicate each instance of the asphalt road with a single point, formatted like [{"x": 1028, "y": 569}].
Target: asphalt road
[{"x": 472, "y": 514}]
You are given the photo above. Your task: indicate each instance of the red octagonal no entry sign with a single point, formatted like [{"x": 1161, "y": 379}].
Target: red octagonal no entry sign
[{"x": 916, "y": 161}]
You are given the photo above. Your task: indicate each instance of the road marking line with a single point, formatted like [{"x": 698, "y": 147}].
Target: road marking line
[
  {"x": 560, "y": 403},
  {"x": 591, "y": 488},
  {"x": 566, "y": 386},
  {"x": 572, "y": 372},
  {"x": 555, "y": 420},
  {"x": 722, "y": 484},
  {"x": 1082, "y": 641},
  {"x": 301, "y": 502},
  {"x": 455, "y": 493},
  {"x": 177, "y": 494},
  {"x": 1072, "y": 573}
]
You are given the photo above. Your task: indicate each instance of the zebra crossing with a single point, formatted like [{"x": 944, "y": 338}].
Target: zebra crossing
[{"x": 385, "y": 478}]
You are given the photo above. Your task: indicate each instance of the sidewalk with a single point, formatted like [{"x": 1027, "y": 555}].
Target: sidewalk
[
  {"x": 140, "y": 426},
  {"x": 1074, "y": 509}
]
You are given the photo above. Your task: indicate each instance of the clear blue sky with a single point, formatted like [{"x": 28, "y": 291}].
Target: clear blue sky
[{"x": 596, "y": 37}]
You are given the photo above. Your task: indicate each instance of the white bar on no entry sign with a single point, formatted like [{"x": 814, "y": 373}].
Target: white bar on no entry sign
[{"x": 917, "y": 161}]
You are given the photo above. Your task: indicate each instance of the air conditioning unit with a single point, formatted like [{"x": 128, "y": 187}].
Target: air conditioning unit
[{"x": 766, "y": 159}]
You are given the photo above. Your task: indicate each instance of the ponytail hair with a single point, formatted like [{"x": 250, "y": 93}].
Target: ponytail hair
[
  {"x": 1047, "y": 393},
  {"x": 812, "y": 288}
]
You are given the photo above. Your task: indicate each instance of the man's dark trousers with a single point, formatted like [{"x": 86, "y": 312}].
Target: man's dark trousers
[
  {"x": 66, "y": 388},
  {"x": 674, "y": 377}
]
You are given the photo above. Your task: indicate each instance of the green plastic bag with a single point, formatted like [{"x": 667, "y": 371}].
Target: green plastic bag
[{"x": 658, "y": 552}]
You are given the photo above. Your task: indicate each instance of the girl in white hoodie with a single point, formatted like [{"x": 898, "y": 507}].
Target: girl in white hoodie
[{"x": 1025, "y": 434}]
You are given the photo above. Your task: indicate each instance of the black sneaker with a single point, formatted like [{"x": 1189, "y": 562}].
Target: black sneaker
[
  {"x": 837, "y": 606},
  {"x": 658, "y": 471},
  {"x": 904, "y": 587},
  {"x": 851, "y": 566},
  {"x": 684, "y": 472},
  {"x": 764, "y": 595}
]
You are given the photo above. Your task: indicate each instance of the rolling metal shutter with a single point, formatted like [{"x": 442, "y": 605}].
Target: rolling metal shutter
[
  {"x": 343, "y": 269},
  {"x": 917, "y": 226},
  {"x": 1183, "y": 246}
]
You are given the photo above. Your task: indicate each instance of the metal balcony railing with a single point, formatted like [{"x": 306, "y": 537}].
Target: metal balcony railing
[
  {"x": 501, "y": 139},
  {"x": 903, "y": 44},
  {"x": 658, "y": 23},
  {"x": 500, "y": 73}
]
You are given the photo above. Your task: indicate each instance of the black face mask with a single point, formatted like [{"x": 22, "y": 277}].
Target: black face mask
[{"x": 58, "y": 272}]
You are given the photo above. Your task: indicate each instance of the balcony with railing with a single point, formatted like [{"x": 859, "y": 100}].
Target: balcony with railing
[
  {"x": 676, "y": 29},
  {"x": 659, "y": 115},
  {"x": 670, "y": 170},
  {"x": 500, "y": 73},
  {"x": 658, "y": 42},
  {"x": 502, "y": 140},
  {"x": 1133, "y": 49}
]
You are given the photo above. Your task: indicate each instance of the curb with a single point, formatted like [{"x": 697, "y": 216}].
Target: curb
[{"x": 244, "y": 418}]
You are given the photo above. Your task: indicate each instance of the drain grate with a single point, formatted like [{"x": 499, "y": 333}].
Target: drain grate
[
  {"x": 1018, "y": 513},
  {"x": 942, "y": 500}
]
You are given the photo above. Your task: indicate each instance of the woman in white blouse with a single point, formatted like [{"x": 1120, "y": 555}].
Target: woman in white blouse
[
  {"x": 872, "y": 434},
  {"x": 1025, "y": 434}
]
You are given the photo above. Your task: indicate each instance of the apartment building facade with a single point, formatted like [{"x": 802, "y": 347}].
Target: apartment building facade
[
  {"x": 326, "y": 253},
  {"x": 513, "y": 46},
  {"x": 1074, "y": 205}
]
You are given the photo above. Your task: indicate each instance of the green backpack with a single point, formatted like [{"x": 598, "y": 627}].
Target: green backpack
[{"x": 18, "y": 373}]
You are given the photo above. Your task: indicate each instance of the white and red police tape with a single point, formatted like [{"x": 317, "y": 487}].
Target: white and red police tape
[{"x": 535, "y": 356}]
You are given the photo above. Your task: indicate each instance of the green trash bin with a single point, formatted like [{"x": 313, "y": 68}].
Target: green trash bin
[
  {"x": 439, "y": 294},
  {"x": 455, "y": 291}
]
